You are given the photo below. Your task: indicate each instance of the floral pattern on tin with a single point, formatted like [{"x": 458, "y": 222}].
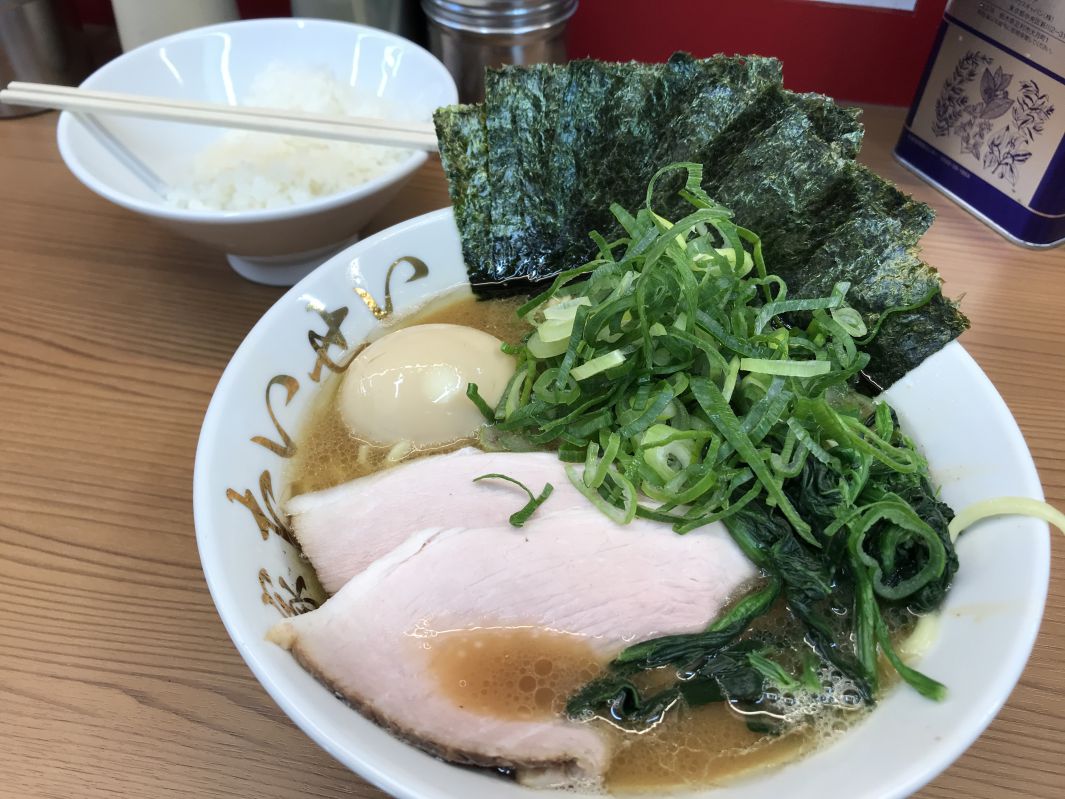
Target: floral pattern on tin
[{"x": 972, "y": 120}]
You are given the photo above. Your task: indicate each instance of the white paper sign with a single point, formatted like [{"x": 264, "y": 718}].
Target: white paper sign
[{"x": 897, "y": 5}]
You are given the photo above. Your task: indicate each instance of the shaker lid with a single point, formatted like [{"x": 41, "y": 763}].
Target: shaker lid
[{"x": 499, "y": 16}]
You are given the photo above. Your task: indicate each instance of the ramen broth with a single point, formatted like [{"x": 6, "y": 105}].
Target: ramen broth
[
  {"x": 520, "y": 673},
  {"x": 528, "y": 674}
]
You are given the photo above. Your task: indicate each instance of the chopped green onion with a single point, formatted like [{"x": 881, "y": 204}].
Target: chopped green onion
[
  {"x": 621, "y": 514},
  {"x": 664, "y": 454},
  {"x": 1005, "y": 506},
  {"x": 535, "y": 501},
  {"x": 784, "y": 367},
  {"x": 730, "y": 256},
  {"x": 553, "y": 330},
  {"x": 478, "y": 400},
  {"x": 850, "y": 320},
  {"x": 597, "y": 365},
  {"x": 722, "y": 417},
  {"x": 541, "y": 349},
  {"x": 566, "y": 308},
  {"x": 730, "y": 378},
  {"x": 595, "y": 470}
]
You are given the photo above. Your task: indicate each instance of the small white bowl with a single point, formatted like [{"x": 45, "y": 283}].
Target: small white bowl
[
  {"x": 219, "y": 64},
  {"x": 975, "y": 451}
]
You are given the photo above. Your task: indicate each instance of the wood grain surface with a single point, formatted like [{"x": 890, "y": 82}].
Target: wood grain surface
[{"x": 117, "y": 678}]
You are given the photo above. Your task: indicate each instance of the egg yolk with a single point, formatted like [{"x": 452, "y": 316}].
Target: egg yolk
[{"x": 410, "y": 385}]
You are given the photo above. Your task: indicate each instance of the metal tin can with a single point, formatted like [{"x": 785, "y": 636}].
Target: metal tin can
[
  {"x": 987, "y": 127},
  {"x": 37, "y": 44},
  {"x": 470, "y": 35}
]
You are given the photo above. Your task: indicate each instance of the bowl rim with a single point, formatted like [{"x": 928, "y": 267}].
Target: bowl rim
[
  {"x": 406, "y": 785},
  {"x": 329, "y": 202},
  {"x": 207, "y": 545}
]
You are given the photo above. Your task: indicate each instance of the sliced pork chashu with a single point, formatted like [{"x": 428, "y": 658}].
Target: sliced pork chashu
[
  {"x": 344, "y": 529},
  {"x": 574, "y": 573}
]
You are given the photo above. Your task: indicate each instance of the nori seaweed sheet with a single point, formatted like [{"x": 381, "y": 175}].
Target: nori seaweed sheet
[
  {"x": 872, "y": 251},
  {"x": 776, "y": 194},
  {"x": 607, "y": 159},
  {"x": 535, "y": 168},
  {"x": 824, "y": 220},
  {"x": 463, "y": 142},
  {"x": 553, "y": 174},
  {"x": 833, "y": 123},
  {"x": 906, "y": 339},
  {"x": 525, "y": 213}
]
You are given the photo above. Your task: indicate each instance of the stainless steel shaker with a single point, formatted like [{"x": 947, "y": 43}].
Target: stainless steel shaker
[{"x": 469, "y": 35}]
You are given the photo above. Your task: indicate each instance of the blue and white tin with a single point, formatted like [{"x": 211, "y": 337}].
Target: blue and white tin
[{"x": 987, "y": 127}]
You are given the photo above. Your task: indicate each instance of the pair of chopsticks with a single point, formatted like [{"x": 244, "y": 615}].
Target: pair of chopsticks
[{"x": 393, "y": 133}]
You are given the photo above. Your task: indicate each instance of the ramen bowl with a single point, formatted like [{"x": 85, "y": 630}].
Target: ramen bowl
[
  {"x": 135, "y": 162},
  {"x": 257, "y": 577}
]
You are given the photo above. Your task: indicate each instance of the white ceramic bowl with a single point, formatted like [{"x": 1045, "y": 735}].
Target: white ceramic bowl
[
  {"x": 218, "y": 64},
  {"x": 974, "y": 448}
]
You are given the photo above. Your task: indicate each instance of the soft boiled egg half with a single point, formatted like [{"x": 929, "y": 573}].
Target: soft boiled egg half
[{"x": 410, "y": 385}]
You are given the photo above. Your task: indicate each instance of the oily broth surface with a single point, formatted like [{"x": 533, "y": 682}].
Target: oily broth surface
[
  {"x": 523, "y": 673},
  {"x": 527, "y": 674},
  {"x": 697, "y": 747}
]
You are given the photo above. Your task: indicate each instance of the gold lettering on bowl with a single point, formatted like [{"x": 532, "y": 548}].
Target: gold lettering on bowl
[
  {"x": 297, "y": 602},
  {"x": 421, "y": 270},
  {"x": 270, "y": 520},
  {"x": 287, "y": 447}
]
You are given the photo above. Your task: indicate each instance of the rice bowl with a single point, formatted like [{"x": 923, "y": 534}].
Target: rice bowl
[{"x": 219, "y": 64}]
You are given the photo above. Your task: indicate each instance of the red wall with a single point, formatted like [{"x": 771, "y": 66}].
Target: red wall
[
  {"x": 849, "y": 52},
  {"x": 853, "y": 53}
]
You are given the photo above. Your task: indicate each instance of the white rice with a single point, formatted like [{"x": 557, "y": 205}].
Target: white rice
[{"x": 245, "y": 170}]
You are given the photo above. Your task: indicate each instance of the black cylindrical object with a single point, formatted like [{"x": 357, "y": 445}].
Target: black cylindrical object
[{"x": 33, "y": 48}]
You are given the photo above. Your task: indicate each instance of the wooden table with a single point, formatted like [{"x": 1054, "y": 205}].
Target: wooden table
[{"x": 116, "y": 676}]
